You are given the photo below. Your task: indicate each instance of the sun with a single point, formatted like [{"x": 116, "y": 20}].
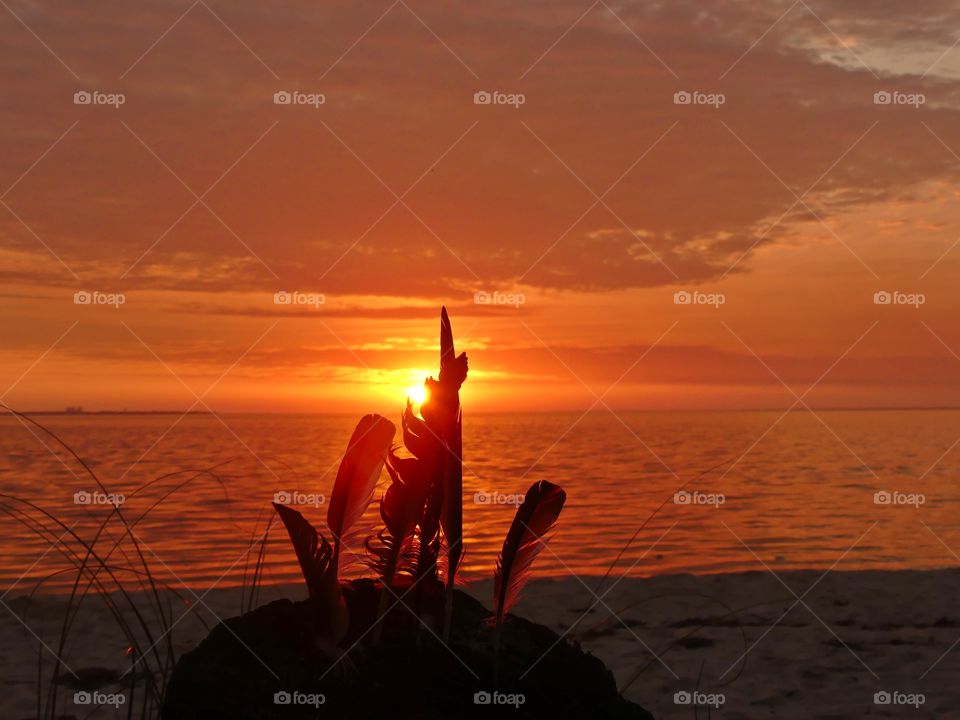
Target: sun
[{"x": 417, "y": 394}]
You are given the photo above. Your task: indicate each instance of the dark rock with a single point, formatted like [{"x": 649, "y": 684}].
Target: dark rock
[{"x": 238, "y": 670}]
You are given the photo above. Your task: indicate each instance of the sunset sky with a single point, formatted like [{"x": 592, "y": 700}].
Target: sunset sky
[{"x": 594, "y": 201}]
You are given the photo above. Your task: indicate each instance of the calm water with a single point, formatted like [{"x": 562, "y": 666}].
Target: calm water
[{"x": 800, "y": 498}]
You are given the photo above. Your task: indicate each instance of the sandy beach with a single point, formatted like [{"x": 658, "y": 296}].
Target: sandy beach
[{"x": 852, "y": 635}]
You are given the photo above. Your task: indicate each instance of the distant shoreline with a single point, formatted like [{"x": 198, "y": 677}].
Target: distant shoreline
[
  {"x": 347, "y": 413},
  {"x": 74, "y": 413}
]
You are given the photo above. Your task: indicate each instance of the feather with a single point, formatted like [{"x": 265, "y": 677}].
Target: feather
[
  {"x": 410, "y": 471},
  {"x": 443, "y": 404},
  {"x": 442, "y": 419},
  {"x": 451, "y": 518},
  {"x": 447, "y": 351},
  {"x": 417, "y": 478},
  {"x": 416, "y": 437},
  {"x": 453, "y": 369},
  {"x": 320, "y": 572},
  {"x": 429, "y": 530},
  {"x": 358, "y": 475},
  {"x": 400, "y": 508},
  {"x": 535, "y": 517},
  {"x": 434, "y": 440}
]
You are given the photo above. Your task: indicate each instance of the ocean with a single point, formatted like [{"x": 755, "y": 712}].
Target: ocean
[{"x": 835, "y": 489}]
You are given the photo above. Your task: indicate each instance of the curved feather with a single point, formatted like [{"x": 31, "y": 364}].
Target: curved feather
[
  {"x": 358, "y": 473},
  {"x": 535, "y": 517},
  {"x": 316, "y": 560},
  {"x": 400, "y": 508},
  {"x": 416, "y": 437}
]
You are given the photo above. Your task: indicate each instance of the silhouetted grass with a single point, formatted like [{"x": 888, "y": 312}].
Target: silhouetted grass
[{"x": 149, "y": 632}]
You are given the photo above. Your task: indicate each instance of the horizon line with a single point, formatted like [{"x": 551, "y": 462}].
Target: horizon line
[{"x": 878, "y": 408}]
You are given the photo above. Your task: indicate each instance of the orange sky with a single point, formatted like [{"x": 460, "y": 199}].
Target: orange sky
[{"x": 596, "y": 200}]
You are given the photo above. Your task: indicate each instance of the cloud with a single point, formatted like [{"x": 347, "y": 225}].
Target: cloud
[
  {"x": 302, "y": 196},
  {"x": 351, "y": 311}
]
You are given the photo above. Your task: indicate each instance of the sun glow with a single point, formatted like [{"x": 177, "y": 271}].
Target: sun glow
[{"x": 417, "y": 393}]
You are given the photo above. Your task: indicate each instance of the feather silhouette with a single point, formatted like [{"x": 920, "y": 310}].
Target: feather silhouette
[
  {"x": 453, "y": 371},
  {"x": 451, "y": 516},
  {"x": 436, "y": 439},
  {"x": 316, "y": 560},
  {"x": 416, "y": 437},
  {"x": 535, "y": 517},
  {"x": 453, "y": 367},
  {"x": 357, "y": 476},
  {"x": 428, "y": 532},
  {"x": 400, "y": 508}
]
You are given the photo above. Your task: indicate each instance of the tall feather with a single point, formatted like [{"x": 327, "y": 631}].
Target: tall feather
[
  {"x": 445, "y": 416},
  {"x": 535, "y": 517},
  {"x": 441, "y": 413},
  {"x": 447, "y": 353},
  {"x": 357, "y": 476},
  {"x": 453, "y": 368},
  {"x": 320, "y": 572},
  {"x": 452, "y": 375},
  {"x": 451, "y": 518},
  {"x": 453, "y": 371}
]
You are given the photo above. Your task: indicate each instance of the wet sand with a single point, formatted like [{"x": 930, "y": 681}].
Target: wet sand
[{"x": 854, "y": 634}]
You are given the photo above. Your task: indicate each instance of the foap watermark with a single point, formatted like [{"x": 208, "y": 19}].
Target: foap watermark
[
  {"x": 95, "y": 297},
  {"x": 82, "y": 497},
  {"x": 299, "y": 298},
  {"x": 95, "y": 97},
  {"x": 282, "y": 497},
  {"x": 296, "y": 697},
  {"x": 499, "y": 698},
  {"x": 497, "y": 498},
  {"x": 495, "y": 97},
  {"x": 685, "y": 297},
  {"x": 895, "y": 497},
  {"x": 895, "y": 297},
  {"x": 95, "y": 697},
  {"x": 683, "y": 97},
  {"x": 686, "y": 497},
  {"x": 896, "y": 697},
  {"x": 686, "y": 697},
  {"x": 482, "y": 297},
  {"x": 895, "y": 97},
  {"x": 295, "y": 97}
]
